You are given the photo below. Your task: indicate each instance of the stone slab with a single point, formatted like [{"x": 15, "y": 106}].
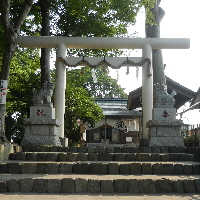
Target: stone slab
[
  {"x": 67, "y": 185},
  {"x": 146, "y": 168},
  {"x": 119, "y": 157},
  {"x": 65, "y": 168},
  {"x": 53, "y": 185},
  {"x": 125, "y": 168},
  {"x": 135, "y": 168},
  {"x": 197, "y": 185},
  {"x": 107, "y": 186},
  {"x": 130, "y": 157},
  {"x": 164, "y": 186},
  {"x": 71, "y": 157},
  {"x": 133, "y": 186},
  {"x": 62, "y": 157},
  {"x": 13, "y": 185},
  {"x": 120, "y": 185},
  {"x": 42, "y": 168},
  {"x": 168, "y": 168},
  {"x": 82, "y": 157},
  {"x": 52, "y": 157},
  {"x": 157, "y": 168},
  {"x": 105, "y": 157},
  {"x": 113, "y": 168},
  {"x": 14, "y": 168},
  {"x": 143, "y": 157},
  {"x": 29, "y": 168},
  {"x": 166, "y": 141},
  {"x": 147, "y": 186},
  {"x": 52, "y": 168},
  {"x": 94, "y": 186},
  {"x": 81, "y": 185},
  {"x": 98, "y": 168},
  {"x": 177, "y": 186},
  {"x": 26, "y": 185},
  {"x": 3, "y": 187},
  {"x": 188, "y": 186},
  {"x": 164, "y": 114},
  {"x": 80, "y": 168},
  {"x": 36, "y": 140},
  {"x": 41, "y": 156},
  {"x": 31, "y": 156},
  {"x": 40, "y": 185},
  {"x": 41, "y": 130},
  {"x": 3, "y": 168},
  {"x": 92, "y": 156},
  {"x": 42, "y": 112}
]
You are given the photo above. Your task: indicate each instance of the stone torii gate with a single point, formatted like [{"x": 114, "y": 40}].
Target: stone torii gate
[{"x": 62, "y": 43}]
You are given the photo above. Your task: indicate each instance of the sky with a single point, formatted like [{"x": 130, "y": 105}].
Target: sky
[{"x": 182, "y": 65}]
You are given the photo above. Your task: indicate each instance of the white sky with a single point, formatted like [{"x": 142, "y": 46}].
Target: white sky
[{"x": 183, "y": 66}]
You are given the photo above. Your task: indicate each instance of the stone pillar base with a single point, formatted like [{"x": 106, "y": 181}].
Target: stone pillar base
[
  {"x": 41, "y": 132},
  {"x": 165, "y": 133}
]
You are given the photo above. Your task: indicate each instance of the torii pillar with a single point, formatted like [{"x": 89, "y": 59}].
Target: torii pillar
[{"x": 61, "y": 43}]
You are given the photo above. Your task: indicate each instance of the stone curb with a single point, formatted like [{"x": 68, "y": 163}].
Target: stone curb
[
  {"x": 106, "y": 149},
  {"x": 71, "y": 157},
  {"x": 81, "y": 185},
  {"x": 99, "y": 168}
]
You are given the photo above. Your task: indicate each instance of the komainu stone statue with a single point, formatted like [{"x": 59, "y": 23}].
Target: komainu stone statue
[
  {"x": 42, "y": 127},
  {"x": 43, "y": 96},
  {"x": 161, "y": 98}
]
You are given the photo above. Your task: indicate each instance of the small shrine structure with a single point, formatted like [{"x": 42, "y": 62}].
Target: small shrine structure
[{"x": 120, "y": 126}]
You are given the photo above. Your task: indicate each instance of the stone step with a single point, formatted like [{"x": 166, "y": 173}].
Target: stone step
[
  {"x": 56, "y": 156},
  {"x": 112, "y": 149},
  {"x": 101, "y": 168},
  {"x": 99, "y": 184}
]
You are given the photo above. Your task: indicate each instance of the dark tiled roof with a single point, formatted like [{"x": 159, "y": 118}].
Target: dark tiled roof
[
  {"x": 117, "y": 107},
  {"x": 183, "y": 95}
]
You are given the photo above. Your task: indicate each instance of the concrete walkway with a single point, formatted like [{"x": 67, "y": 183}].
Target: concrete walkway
[{"x": 32, "y": 196}]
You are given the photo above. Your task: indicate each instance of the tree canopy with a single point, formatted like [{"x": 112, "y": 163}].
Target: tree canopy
[{"x": 85, "y": 18}]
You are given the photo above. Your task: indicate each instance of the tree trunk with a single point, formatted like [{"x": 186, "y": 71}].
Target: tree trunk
[
  {"x": 45, "y": 52},
  {"x": 11, "y": 35},
  {"x": 153, "y": 31}
]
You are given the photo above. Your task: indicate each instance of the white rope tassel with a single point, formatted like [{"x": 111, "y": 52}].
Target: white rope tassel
[
  {"x": 127, "y": 71},
  {"x": 94, "y": 75},
  {"x": 137, "y": 73},
  {"x": 117, "y": 75}
]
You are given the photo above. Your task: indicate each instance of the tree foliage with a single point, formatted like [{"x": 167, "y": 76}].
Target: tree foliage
[
  {"x": 24, "y": 76},
  {"x": 105, "y": 87},
  {"x": 84, "y": 18}
]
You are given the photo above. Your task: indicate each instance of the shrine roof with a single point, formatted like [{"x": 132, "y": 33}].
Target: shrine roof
[
  {"x": 183, "y": 95},
  {"x": 117, "y": 107}
]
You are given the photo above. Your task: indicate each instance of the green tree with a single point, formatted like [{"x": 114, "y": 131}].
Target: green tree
[
  {"x": 105, "y": 87},
  {"x": 76, "y": 18},
  {"x": 79, "y": 105},
  {"x": 24, "y": 76}
]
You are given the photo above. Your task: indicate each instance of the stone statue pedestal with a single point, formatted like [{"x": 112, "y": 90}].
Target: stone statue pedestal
[
  {"x": 165, "y": 129},
  {"x": 42, "y": 127}
]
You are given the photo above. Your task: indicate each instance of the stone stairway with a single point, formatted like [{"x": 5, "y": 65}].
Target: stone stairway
[{"x": 102, "y": 170}]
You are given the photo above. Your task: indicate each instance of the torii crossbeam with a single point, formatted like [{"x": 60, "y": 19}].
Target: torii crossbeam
[{"x": 146, "y": 44}]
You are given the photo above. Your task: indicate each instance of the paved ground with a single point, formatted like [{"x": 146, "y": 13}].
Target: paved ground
[{"x": 18, "y": 196}]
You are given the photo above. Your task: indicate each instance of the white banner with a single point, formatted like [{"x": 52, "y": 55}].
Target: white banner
[{"x": 3, "y": 91}]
